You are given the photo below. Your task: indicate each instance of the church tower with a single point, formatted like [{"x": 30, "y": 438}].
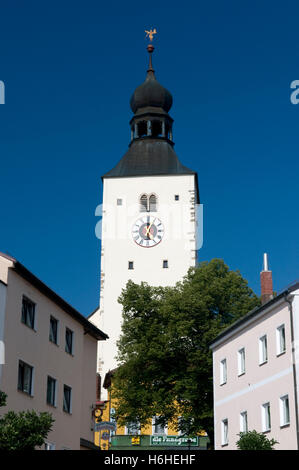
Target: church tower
[{"x": 149, "y": 212}]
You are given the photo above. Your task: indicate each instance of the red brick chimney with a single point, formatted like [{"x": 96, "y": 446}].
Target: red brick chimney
[{"x": 266, "y": 282}]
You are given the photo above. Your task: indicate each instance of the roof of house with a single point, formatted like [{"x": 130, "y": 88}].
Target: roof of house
[
  {"x": 252, "y": 314},
  {"x": 89, "y": 328}
]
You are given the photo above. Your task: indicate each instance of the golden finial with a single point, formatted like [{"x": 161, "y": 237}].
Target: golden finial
[{"x": 150, "y": 34}]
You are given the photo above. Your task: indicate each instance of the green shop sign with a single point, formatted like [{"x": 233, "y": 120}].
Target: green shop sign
[{"x": 173, "y": 441}]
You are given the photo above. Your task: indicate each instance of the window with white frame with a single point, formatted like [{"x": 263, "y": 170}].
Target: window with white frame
[
  {"x": 241, "y": 361},
  {"x": 67, "y": 399},
  {"x": 223, "y": 372},
  {"x": 28, "y": 312},
  {"x": 157, "y": 427},
  {"x": 280, "y": 340},
  {"x": 53, "y": 333},
  {"x": 224, "y": 432},
  {"x": 69, "y": 341},
  {"x": 263, "y": 349},
  {"x": 284, "y": 410},
  {"x": 266, "y": 417},
  {"x": 243, "y": 422}
]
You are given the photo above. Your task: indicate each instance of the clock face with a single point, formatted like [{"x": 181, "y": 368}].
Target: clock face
[{"x": 148, "y": 231}]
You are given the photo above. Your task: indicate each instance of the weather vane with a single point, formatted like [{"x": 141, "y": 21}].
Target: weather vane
[{"x": 150, "y": 34}]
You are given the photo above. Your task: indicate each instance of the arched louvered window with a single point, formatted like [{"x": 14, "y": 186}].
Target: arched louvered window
[
  {"x": 143, "y": 203},
  {"x": 148, "y": 203},
  {"x": 152, "y": 203}
]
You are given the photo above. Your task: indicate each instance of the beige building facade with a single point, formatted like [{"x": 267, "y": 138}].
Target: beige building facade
[{"x": 48, "y": 356}]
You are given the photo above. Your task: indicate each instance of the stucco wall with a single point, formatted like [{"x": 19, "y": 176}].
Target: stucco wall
[
  {"x": 33, "y": 347},
  {"x": 118, "y": 246}
]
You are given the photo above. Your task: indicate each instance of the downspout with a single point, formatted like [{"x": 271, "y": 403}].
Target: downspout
[{"x": 294, "y": 366}]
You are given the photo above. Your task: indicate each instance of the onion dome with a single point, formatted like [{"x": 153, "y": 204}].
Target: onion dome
[{"x": 151, "y": 93}]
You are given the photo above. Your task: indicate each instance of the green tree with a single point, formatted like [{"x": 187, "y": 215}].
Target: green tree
[
  {"x": 252, "y": 440},
  {"x": 24, "y": 430},
  {"x": 164, "y": 357}
]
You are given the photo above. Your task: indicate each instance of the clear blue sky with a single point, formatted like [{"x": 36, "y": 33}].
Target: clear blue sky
[{"x": 70, "y": 68}]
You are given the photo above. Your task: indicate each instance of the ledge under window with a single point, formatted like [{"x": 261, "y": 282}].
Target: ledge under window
[{"x": 263, "y": 363}]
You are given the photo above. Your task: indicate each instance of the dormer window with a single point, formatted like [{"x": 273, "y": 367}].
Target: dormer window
[{"x": 148, "y": 203}]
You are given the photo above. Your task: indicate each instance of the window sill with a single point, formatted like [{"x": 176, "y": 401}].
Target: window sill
[
  {"x": 223, "y": 383},
  {"x": 263, "y": 363},
  {"x": 30, "y": 328},
  {"x": 52, "y": 406},
  {"x": 242, "y": 373},
  {"x": 69, "y": 354},
  {"x": 29, "y": 395},
  {"x": 287, "y": 425},
  {"x": 224, "y": 445},
  {"x": 53, "y": 342},
  {"x": 266, "y": 432}
]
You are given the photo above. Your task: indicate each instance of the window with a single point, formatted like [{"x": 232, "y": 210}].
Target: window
[
  {"x": 224, "y": 432},
  {"x": 223, "y": 372},
  {"x": 133, "y": 428},
  {"x": 152, "y": 203},
  {"x": 165, "y": 263},
  {"x": 263, "y": 350},
  {"x": 25, "y": 378},
  {"x": 119, "y": 202},
  {"x": 158, "y": 428},
  {"x": 51, "y": 391},
  {"x": 280, "y": 340},
  {"x": 241, "y": 361},
  {"x": 148, "y": 203},
  {"x": 131, "y": 265},
  {"x": 266, "y": 417},
  {"x": 49, "y": 446},
  {"x": 28, "y": 312},
  {"x": 53, "y": 335},
  {"x": 69, "y": 341},
  {"x": 67, "y": 398},
  {"x": 243, "y": 422},
  {"x": 284, "y": 410},
  {"x": 176, "y": 197},
  {"x": 143, "y": 203}
]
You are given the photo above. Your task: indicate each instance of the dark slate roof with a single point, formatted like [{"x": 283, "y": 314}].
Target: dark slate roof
[{"x": 149, "y": 157}]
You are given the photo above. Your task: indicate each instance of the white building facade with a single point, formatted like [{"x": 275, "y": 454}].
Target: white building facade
[
  {"x": 149, "y": 213},
  {"x": 48, "y": 357},
  {"x": 255, "y": 375}
]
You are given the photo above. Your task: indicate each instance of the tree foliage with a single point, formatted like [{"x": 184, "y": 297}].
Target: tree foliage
[
  {"x": 24, "y": 430},
  {"x": 164, "y": 357},
  {"x": 252, "y": 440}
]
